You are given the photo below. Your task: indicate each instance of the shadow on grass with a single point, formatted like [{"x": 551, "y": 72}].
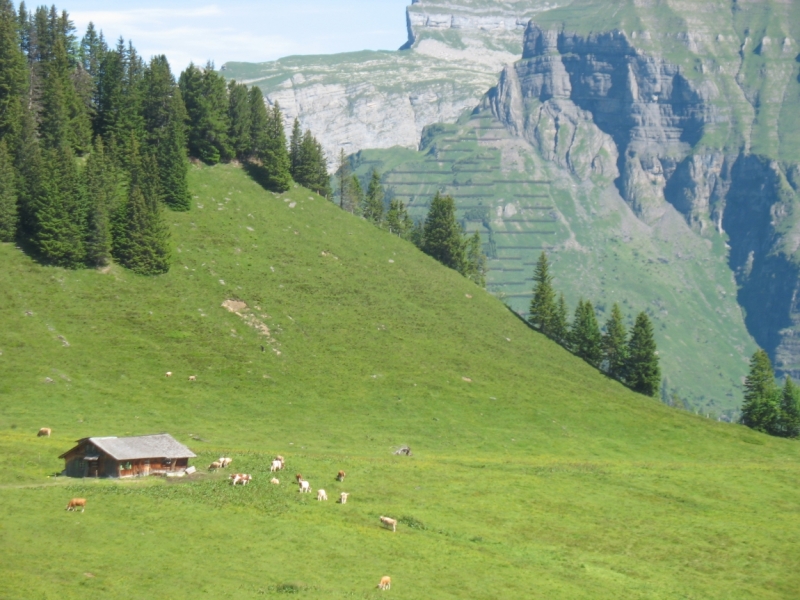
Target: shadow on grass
[{"x": 260, "y": 175}]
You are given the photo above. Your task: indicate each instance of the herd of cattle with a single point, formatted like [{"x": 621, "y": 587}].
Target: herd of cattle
[{"x": 278, "y": 464}]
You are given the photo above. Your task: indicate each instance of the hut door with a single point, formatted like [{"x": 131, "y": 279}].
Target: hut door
[
  {"x": 146, "y": 467},
  {"x": 94, "y": 468}
]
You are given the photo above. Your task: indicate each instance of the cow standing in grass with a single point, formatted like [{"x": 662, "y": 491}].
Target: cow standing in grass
[{"x": 77, "y": 503}]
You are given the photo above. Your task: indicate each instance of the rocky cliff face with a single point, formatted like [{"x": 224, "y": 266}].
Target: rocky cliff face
[{"x": 598, "y": 105}]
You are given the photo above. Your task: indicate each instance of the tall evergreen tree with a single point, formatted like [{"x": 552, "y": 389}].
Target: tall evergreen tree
[
  {"x": 296, "y": 149},
  {"x": 9, "y": 216},
  {"x": 61, "y": 215},
  {"x": 312, "y": 168},
  {"x": 240, "y": 119},
  {"x": 559, "y": 327},
  {"x": 543, "y": 303},
  {"x": 398, "y": 220},
  {"x": 475, "y": 263},
  {"x": 790, "y": 410},
  {"x": 642, "y": 373},
  {"x": 585, "y": 338},
  {"x": 373, "y": 201},
  {"x": 259, "y": 122},
  {"x": 173, "y": 164},
  {"x": 275, "y": 156},
  {"x": 142, "y": 242},
  {"x": 615, "y": 347},
  {"x": 13, "y": 72},
  {"x": 101, "y": 193},
  {"x": 761, "y": 395},
  {"x": 442, "y": 235},
  {"x": 345, "y": 180},
  {"x": 359, "y": 198},
  {"x": 205, "y": 96}
]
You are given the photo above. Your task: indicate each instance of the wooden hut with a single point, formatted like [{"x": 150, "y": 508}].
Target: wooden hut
[{"x": 127, "y": 457}]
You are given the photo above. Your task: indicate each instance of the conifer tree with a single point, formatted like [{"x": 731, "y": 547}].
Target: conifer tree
[
  {"x": 475, "y": 269},
  {"x": 761, "y": 395},
  {"x": 615, "y": 348},
  {"x": 312, "y": 169},
  {"x": 790, "y": 410},
  {"x": 8, "y": 197},
  {"x": 442, "y": 236},
  {"x": 359, "y": 199},
  {"x": 205, "y": 96},
  {"x": 13, "y": 73},
  {"x": 295, "y": 149},
  {"x": 28, "y": 166},
  {"x": 543, "y": 303},
  {"x": 259, "y": 122},
  {"x": 559, "y": 327},
  {"x": 101, "y": 193},
  {"x": 142, "y": 241},
  {"x": 240, "y": 119},
  {"x": 61, "y": 223},
  {"x": 585, "y": 337},
  {"x": 345, "y": 180},
  {"x": 373, "y": 202},
  {"x": 275, "y": 156},
  {"x": 642, "y": 372},
  {"x": 173, "y": 164},
  {"x": 398, "y": 221}
]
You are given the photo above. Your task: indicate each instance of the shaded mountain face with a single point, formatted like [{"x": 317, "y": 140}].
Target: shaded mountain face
[{"x": 671, "y": 128}]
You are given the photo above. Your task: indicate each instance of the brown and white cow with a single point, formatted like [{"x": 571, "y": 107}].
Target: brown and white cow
[
  {"x": 77, "y": 503},
  {"x": 340, "y": 476},
  {"x": 242, "y": 478},
  {"x": 343, "y": 498},
  {"x": 386, "y": 583},
  {"x": 44, "y": 432}
]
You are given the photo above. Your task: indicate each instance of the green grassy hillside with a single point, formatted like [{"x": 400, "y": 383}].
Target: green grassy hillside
[{"x": 533, "y": 476}]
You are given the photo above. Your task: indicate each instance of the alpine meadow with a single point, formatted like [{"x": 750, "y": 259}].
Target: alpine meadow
[{"x": 187, "y": 254}]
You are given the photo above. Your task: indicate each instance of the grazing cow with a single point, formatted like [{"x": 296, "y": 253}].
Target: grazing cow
[
  {"x": 343, "y": 498},
  {"x": 305, "y": 487},
  {"x": 274, "y": 481},
  {"x": 280, "y": 458},
  {"x": 322, "y": 495},
  {"x": 389, "y": 522},
  {"x": 192, "y": 377},
  {"x": 298, "y": 477},
  {"x": 340, "y": 476},
  {"x": 77, "y": 503},
  {"x": 44, "y": 432},
  {"x": 276, "y": 466},
  {"x": 386, "y": 583},
  {"x": 225, "y": 462},
  {"x": 242, "y": 478},
  {"x": 215, "y": 465},
  {"x": 404, "y": 451},
  {"x": 168, "y": 374}
]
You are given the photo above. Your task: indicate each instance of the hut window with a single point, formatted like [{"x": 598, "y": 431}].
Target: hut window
[{"x": 127, "y": 466}]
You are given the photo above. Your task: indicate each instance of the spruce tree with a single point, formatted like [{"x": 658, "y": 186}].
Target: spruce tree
[
  {"x": 543, "y": 303},
  {"x": 345, "y": 180},
  {"x": 442, "y": 235},
  {"x": 642, "y": 372},
  {"x": 13, "y": 73},
  {"x": 585, "y": 338},
  {"x": 61, "y": 212},
  {"x": 313, "y": 167},
  {"x": 615, "y": 348},
  {"x": 101, "y": 193},
  {"x": 240, "y": 119},
  {"x": 373, "y": 202},
  {"x": 173, "y": 164},
  {"x": 790, "y": 410},
  {"x": 559, "y": 327},
  {"x": 296, "y": 149},
  {"x": 259, "y": 122},
  {"x": 205, "y": 96},
  {"x": 9, "y": 216},
  {"x": 475, "y": 263},
  {"x": 359, "y": 198},
  {"x": 398, "y": 221},
  {"x": 761, "y": 395},
  {"x": 275, "y": 156},
  {"x": 142, "y": 243}
]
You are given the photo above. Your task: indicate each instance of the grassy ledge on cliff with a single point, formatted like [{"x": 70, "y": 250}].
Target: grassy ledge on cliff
[{"x": 533, "y": 475}]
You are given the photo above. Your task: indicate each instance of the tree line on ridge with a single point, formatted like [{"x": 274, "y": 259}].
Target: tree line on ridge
[{"x": 94, "y": 142}]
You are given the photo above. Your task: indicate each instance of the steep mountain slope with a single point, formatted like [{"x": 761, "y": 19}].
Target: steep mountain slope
[{"x": 314, "y": 335}]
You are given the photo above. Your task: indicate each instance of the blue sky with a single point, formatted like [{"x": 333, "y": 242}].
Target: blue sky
[{"x": 245, "y": 30}]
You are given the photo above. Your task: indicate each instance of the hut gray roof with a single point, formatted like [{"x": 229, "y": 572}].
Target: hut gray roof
[{"x": 161, "y": 445}]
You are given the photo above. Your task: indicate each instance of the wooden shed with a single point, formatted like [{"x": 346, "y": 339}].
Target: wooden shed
[{"x": 126, "y": 457}]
